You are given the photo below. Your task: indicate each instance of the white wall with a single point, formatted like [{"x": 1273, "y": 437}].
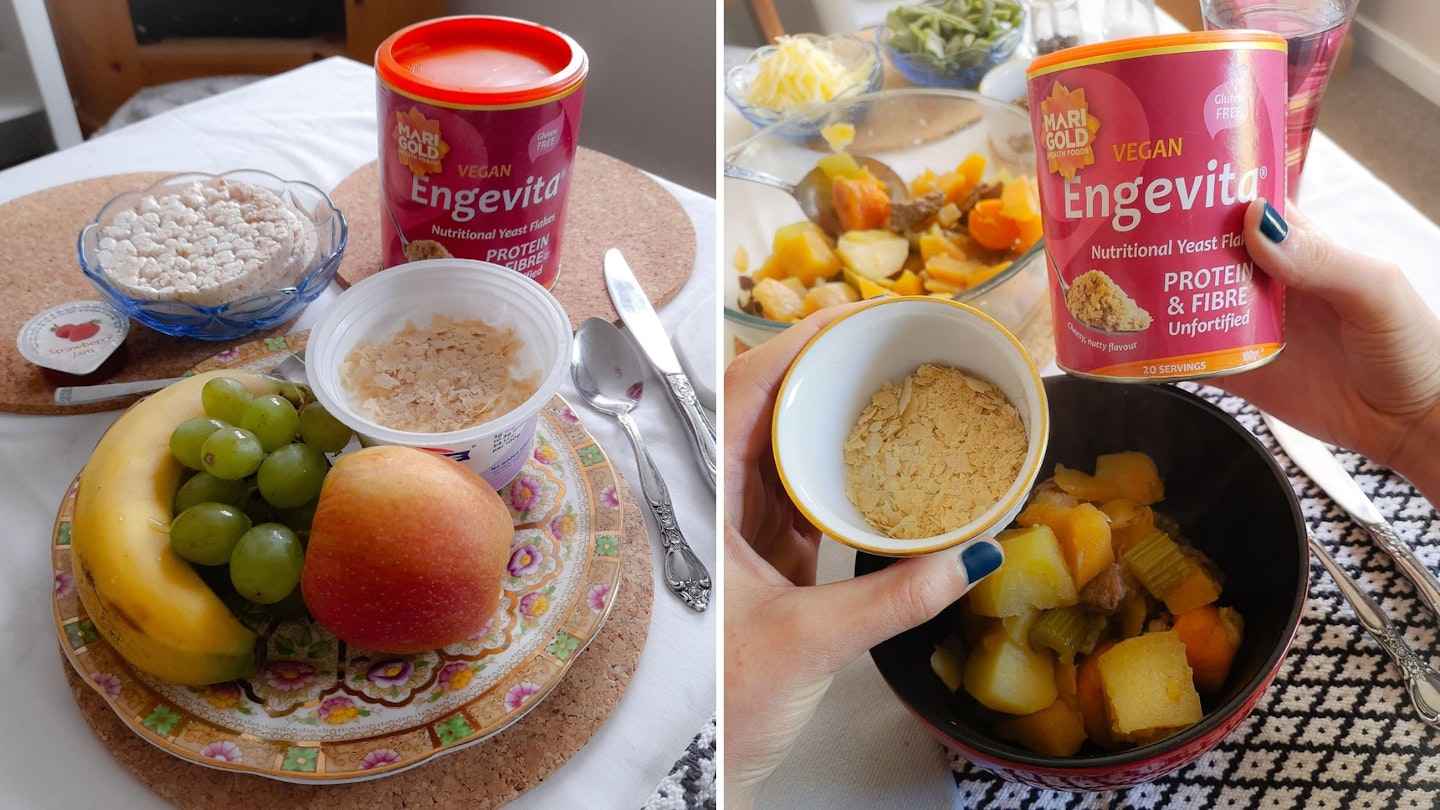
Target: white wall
[
  {"x": 1403, "y": 37},
  {"x": 650, "y": 97}
]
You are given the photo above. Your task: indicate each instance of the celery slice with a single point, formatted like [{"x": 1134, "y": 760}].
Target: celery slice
[
  {"x": 1157, "y": 562},
  {"x": 1069, "y": 631}
]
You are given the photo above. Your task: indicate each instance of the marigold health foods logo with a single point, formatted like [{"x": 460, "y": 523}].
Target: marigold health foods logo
[
  {"x": 417, "y": 141},
  {"x": 1069, "y": 130}
]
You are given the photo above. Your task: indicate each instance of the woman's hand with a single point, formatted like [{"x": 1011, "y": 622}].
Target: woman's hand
[
  {"x": 1361, "y": 365},
  {"x": 786, "y": 637}
]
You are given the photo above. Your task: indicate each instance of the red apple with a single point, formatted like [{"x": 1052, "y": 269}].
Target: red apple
[{"x": 407, "y": 551}]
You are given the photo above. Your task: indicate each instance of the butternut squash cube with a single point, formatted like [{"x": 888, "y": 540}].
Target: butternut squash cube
[
  {"x": 803, "y": 252},
  {"x": 1009, "y": 677},
  {"x": 1148, "y": 686},
  {"x": 1044, "y": 513},
  {"x": 1085, "y": 541},
  {"x": 1056, "y": 730},
  {"x": 1195, "y": 590},
  {"x": 1133, "y": 474},
  {"x": 1065, "y": 684},
  {"x": 1140, "y": 526},
  {"x": 1033, "y": 575},
  {"x": 908, "y": 284},
  {"x": 1083, "y": 486}
]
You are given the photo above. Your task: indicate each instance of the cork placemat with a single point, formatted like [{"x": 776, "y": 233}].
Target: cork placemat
[
  {"x": 612, "y": 205},
  {"x": 485, "y": 775},
  {"x": 39, "y": 269}
]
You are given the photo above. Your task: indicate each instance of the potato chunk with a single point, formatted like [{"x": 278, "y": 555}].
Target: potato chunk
[
  {"x": 1010, "y": 677},
  {"x": 1149, "y": 687},
  {"x": 1034, "y": 575}
]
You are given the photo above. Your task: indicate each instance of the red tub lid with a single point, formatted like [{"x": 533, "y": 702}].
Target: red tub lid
[{"x": 480, "y": 61}]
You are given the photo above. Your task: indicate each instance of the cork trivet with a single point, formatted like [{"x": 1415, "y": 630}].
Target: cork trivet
[
  {"x": 612, "y": 205},
  {"x": 39, "y": 269},
  {"x": 485, "y": 775}
]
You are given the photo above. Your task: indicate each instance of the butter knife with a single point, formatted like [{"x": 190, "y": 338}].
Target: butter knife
[
  {"x": 645, "y": 327},
  {"x": 1322, "y": 467}
]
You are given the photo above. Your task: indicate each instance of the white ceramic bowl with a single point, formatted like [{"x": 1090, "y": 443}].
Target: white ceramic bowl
[
  {"x": 839, "y": 370},
  {"x": 380, "y": 306}
]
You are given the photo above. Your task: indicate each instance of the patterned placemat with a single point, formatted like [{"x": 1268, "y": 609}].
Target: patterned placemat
[
  {"x": 612, "y": 205},
  {"x": 485, "y": 775},
  {"x": 1336, "y": 728}
]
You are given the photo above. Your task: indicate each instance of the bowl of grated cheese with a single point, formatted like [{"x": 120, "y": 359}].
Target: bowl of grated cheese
[
  {"x": 214, "y": 257},
  {"x": 454, "y": 356},
  {"x": 799, "y": 72}
]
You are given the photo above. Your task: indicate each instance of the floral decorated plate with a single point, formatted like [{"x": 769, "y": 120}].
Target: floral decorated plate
[{"x": 318, "y": 711}]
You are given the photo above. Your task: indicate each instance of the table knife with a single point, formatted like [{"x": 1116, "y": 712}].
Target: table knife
[
  {"x": 1322, "y": 467},
  {"x": 645, "y": 327}
]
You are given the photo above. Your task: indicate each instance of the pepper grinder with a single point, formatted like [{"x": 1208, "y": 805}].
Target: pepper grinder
[{"x": 1054, "y": 25}]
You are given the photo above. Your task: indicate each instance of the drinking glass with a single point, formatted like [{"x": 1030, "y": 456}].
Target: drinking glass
[{"x": 1314, "y": 31}]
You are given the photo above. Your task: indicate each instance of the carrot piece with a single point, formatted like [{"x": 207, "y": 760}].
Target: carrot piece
[
  {"x": 991, "y": 228},
  {"x": 861, "y": 203},
  {"x": 1212, "y": 637},
  {"x": 1090, "y": 693}
]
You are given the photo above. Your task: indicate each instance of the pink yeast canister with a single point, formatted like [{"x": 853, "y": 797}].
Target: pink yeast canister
[
  {"x": 1148, "y": 151},
  {"x": 478, "y": 124}
]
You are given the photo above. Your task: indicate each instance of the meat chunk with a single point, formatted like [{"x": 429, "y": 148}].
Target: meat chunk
[
  {"x": 1050, "y": 492},
  {"x": 905, "y": 216},
  {"x": 1108, "y": 589}
]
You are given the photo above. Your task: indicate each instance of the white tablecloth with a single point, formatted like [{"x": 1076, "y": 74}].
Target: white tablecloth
[
  {"x": 862, "y": 750},
  {"x": 318, "y": 124}
]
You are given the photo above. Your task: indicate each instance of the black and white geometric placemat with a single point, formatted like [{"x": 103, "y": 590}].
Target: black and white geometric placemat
[{"x": 1336, "y": 728}]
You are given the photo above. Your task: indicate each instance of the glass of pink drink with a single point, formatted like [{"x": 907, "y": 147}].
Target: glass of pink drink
[{"x": 1314, "y": 30}]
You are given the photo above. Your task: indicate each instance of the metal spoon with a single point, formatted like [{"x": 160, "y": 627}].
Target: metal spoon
[
  {"x": 610, "y": 377},
  {"x": 813, "y": 190}
]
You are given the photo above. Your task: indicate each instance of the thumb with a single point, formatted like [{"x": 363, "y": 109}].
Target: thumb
[
  {"x": 896, "y": 598},
  {"x": 1361, "y": 289}
]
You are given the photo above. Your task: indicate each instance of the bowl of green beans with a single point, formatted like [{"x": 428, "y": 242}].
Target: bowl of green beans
[{"x": 951, "y": 43}]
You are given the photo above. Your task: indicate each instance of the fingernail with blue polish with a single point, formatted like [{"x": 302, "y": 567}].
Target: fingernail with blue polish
[
  {"x": 1273, "y": 225},
  {"x": 980, "y": 560}
]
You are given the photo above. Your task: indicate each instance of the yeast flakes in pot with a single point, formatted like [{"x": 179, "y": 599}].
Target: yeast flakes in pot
[
  {"x": 445, "y": 376},
  {"x": 479, "y": 118},
  {"x": 1149, "y": 151}
]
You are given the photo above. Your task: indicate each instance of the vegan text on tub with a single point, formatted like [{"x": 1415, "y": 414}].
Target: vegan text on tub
[{"x": 1221, "y": 185}]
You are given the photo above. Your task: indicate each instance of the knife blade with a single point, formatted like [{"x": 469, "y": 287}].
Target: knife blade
[
  {"x": 1311, "y": 456},
  {"x": 649, "y": 334}
]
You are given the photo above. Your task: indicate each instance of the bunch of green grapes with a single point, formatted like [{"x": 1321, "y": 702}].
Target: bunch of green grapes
[{"x": 259, "y": 463}]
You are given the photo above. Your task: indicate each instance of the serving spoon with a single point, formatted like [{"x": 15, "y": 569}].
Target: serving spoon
[
  {"x": 813, "y": 190},
  {"x": 610, "y": 378}
]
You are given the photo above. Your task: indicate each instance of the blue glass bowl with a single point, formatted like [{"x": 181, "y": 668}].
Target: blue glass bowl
[
  {"x": 242, "y": 316},
  {"x": 962, "y": 70},
  {"x": 860, "y": 57}
]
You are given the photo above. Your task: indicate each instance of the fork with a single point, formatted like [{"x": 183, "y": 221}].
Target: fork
[{"x": 291, "y": 368}]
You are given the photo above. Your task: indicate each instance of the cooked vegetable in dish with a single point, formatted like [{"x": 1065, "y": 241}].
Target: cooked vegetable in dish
[
  {"x": 953, "y": 34},
  {"x": 946, "y": 233},
  {"x": 1102, "y": 624}
]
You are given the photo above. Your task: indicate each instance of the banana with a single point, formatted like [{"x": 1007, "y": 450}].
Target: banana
[{"x": 146, "y": 601}]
